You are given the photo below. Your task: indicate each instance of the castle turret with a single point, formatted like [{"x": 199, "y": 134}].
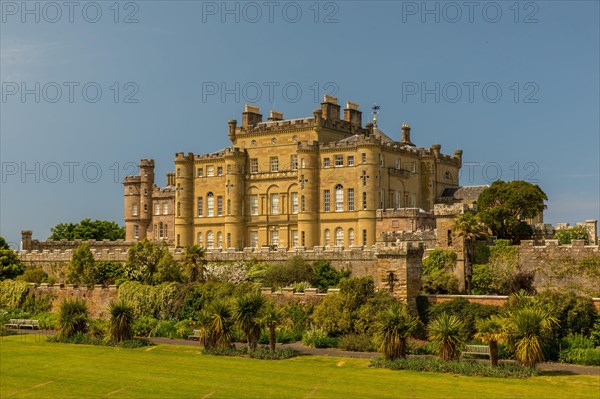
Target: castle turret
[
  {"x": 184, "y": 169},
  {"x": 308, "y": 182},
  {"x": 234, "y": 199},
  {"x": 406, "y": 135},
  {"x": 232, "y": 126}
]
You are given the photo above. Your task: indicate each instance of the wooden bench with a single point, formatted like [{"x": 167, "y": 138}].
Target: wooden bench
[
  {"x": 483, "y": 350},
  {"x": 195, "y": 335},
  {"x": 23, "y": 323}
]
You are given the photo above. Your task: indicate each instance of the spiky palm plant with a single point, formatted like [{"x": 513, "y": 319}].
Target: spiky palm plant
[
  {"x": 446, "y": 331},
  {"x": 121, "y": 318},
  {"x": 220, "y": 323},
  {"x": 528, "y": 328},
  {"x": 194, "y": 262},
  {"x": 491, "y": 331},
  {"x": 392, "y": 329},
  {"x": 72, "y": 317},
  {"x": 272, "y": 317},
  {"x": 247, "y": 316},
  {"x": 470, "y": 229}
]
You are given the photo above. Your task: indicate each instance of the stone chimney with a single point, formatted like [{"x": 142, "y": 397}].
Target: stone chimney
[
  {"x": 330, "y": 108},
  {"x": 251, "y": 116},
  {"x": 171, "y": 179},
  {"x": 275, "y": 116},
  {"x": 352, "y": 114},
  {"x": 26, "y": 240},
  {"x": 406, "y": 135},
  {"x": 232, "y": 123},
  {"x": 436, "y": 148}
]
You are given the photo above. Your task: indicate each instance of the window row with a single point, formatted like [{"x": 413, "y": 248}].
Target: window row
[
  {"x": 273, "y": 165},
  {"x": 338, "y": 199},
  {"x": 161, "y": 231},
  {"x": 338, "y": 238}
]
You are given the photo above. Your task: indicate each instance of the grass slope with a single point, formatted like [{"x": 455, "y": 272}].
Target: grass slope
[{"x": 40, "y": 369}]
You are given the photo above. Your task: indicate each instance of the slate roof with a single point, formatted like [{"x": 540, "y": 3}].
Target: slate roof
[{"x": 463, "y": 193}]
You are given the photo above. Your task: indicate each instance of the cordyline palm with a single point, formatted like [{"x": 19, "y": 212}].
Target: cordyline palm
[
  {"x": 72, "y": 317},
  {"x": 528, "y": 328},
  {"x": 446, "y": 331},
  {"x": 247, "y": 315},
  {"x": 121, "y": 318},
  {"x": 193, "y": 259},
  {"x": 491, "y": 331},
  {"x": 470, "y": 229},
  {"x": 272, "y": 317},
  {"x": 392, "y": 329},
  {"x": 218, "y": 324}
]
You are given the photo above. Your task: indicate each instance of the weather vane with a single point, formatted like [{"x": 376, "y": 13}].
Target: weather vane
[{"x": 375, "y": 108}]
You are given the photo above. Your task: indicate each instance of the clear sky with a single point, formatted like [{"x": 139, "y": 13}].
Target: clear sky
[{"x": 89, "y": 87}]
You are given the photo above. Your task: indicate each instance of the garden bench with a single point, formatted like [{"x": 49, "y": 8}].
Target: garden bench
[
  {"x": 23, "y": 323},
  {"x": 477, "y": 350},
  {"x": 195, "y": 335}
]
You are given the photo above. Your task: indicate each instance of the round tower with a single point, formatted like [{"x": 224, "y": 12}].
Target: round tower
[
  {"x": 308, "y": 181},
  {"x": 234, "y": 199},
  {"x": 184, "y": 199},
  {"x": 368, "y": 172}
]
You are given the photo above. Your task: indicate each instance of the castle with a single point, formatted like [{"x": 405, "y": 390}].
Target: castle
[{"x": 295, "y": 183}]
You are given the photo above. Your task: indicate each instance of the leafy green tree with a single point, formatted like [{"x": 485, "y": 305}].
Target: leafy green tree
[
  {"x": 565, "y": 237},
  {"x": 295, "y": 270},
  {"x": 528, "y": 329},
  {"x": 491, "y": 331},
  {"x": 446, "y": 331},
  {"x": 194, "y": 263},
  {"x": 88, "y": 229},
  {"x": 470, "y": 229},
  {"x": 10, "y": 264},
  {"x": 121, "y": 320},
  {"x": 272, "y": 318},
  {"x": 142, "y": 261},
  {"x": 108, "y": 272},
  {"x": 326, "y": 276},
  {"x": 437, "y": 276},
  {"x": 82, "y": 268},
  {"x": 34, "y": 275},
  {"x": 72, "y": 318},
  {"x": 167, "y": 269},
  {"x": 504, "y": 207},
  {"x": 393, "y": 328},
  {"x": 247, "y": 313},
  {"x": 3, "y": 243}
]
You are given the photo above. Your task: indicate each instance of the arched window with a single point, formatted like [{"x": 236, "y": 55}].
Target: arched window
[
  {"x": 351, "y": 237},
  {"x": 339, "y": 198},
  {"x": 210, "y": 204},
  {"x": 161, "y": 231},
  {"x": 210, "y": 239},
  {"x": 219, "y": 240},
  {"x": 339, "y": 237},
  {"x": 326, "y": 237},
  {"x": 200, "y": 239}
]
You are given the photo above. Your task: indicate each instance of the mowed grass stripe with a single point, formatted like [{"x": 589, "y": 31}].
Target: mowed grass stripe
[{"x": 178, "y": 371}]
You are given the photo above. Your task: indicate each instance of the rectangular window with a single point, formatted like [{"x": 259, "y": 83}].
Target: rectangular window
[
  {"x": 165, "y": 208},
  {"x": 413, "y": 166},
  {"x": 398, "y": 198},
  {"x": 303, "y": 238},
  {"x": 136, "y": 231},
  {"x": 338, "y": 161},
  {"x": 228, "y": 240},
  {"x": 294, "y": 203},
  {"x": 350, "y": 199},
  {"x": 294, "y": 238},
  {"x": 274, "y": 204},
  {"x": 274, "y": 164},
  {"x": 228, "y": 169},
  {"x": 275, "y": 237},
  {"x": 413, "y": 200},
  {"x": 302, "y": 204},
  {"x": 326, "y": 201},
  {"x": 254, "y": 239},
  {"x": 210, "y": 205},
  {"x": 364, "y": 237},
  {"x": 254, "y": 204},
  {"x": 200, "y": 206},
  {"x": 350, "y": 160},
  {"x": 229, "y": 207},
  {"x": 210, "y": 171},
  {"x": 294, "y": 162},
  {"x": 219, "y": 171},
  {"x": 364, "y": 200},
  {"x": 253, "y": 165},
  {"x": 157, "y": 209},
  {"x": 339, "y": 199},
  {"x": 325, "y": 162},
  {"x": 382, "y": 199},
  {"x": 364, "y": 158},
  {"x": 178, "y": 172},
  {"x": 220, "y": 205},
  {"x": 200, "y": 172},
  {"x": 302, "y": 165},
  {"x": 381, "y": 160},
  {"x": 134, "y": 210},
  {"x": 398, "y": 164},
  {"x": 145, "y": 207}
]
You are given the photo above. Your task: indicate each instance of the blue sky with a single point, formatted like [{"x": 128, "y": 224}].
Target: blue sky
[{"x": 515, "y": 85}]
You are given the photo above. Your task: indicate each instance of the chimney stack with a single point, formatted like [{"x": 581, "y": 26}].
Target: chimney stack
[
  {"x": 251, "y": 116},
  {"x": 352, "y": 114},
  {"x": 330, "y": 108},
  {"x": 275, "y": 116},
  {"x": 406, "y": 135},
  {"x": 232, "y": 123}
]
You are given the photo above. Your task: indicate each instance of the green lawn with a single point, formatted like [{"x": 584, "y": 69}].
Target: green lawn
[{"x": 40, "y": 369}]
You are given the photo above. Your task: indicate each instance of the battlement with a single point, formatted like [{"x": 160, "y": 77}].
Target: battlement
[{"x": 452, "y": 210}]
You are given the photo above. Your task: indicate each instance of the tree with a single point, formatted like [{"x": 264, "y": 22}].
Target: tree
[
  {"x": 194, "y": 263},
  {"x": 218, "y": 323},
  {"x": 167, "y": 269},
  {"x": 272, "y": 317},
  {"x": 247, "y": 315},
  {"x": 470, "y": 229},
  {"x": 437, "y": 276},
  {"x": 528, "y": 328},
  {"x": 72, "y": 317},
  {"x": 504, "y": 207},
  {"x": 142, "y": 261},
  {"x": 121, "y": 319},
  {"x": 491, "y": 331},
  {"x": 82, "y": 268},
  {"x": 3, "y": 243},
  {"x": 88, "y": 230},
  {"x": 392, "y": 329},
  {"x": 326, "y": 276},
  {"x": 10, "y": 264},
  {"x": 446, "y": 332}
]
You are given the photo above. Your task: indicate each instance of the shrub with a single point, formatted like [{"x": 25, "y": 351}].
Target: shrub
[
  {"x": 466, "y": 311},
  {"x": 565, "y": 237},
  {"x": 109, "y": 272},
  {"x": 577, "y": 341},
  {"x": 99, "y": 328},
  {"x": 437, "y": 277},
  {"x": 356, "y": 343},
  {"x": 481, "y": 280},
  {"x": 82, "y": 268},
  {"x": 34, "y": 275},
  {"x": 37, "y": 303},
  {"x": 294, "y": 270},
  {"x": 446, "y": 331},
  {"x": 420, "y": 347},
  {"x": 121, "y": 318},
  {"x": 576, "y": 314},
  {"x": 168, "y": 269},
  {"x": 257, "y": 272},
  {"x": 318, "y": 338},
  {"x": 13, "y": 293},
  {"x": 301, "y": 286},
  {"x": 260, "y": 353},
  {"x": 10, "y": 265},
  {"x": 47, "y": 321},
  {"x": 72, "y": 318},
  {"x": 144, "y": 326},
  {"x": 223, "y": 272},
  {"x": 326, "y": 276},
  {"x": 165, "y": 329},
  {"x": 468, "y": 368},
  {"x": 584, "y": 356},
  {"x": 595, "y": 333},
  {"x": 160, "y": 301}
]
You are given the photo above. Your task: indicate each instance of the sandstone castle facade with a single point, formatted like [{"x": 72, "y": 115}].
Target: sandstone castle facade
[{"x": 295, "y": 183}]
